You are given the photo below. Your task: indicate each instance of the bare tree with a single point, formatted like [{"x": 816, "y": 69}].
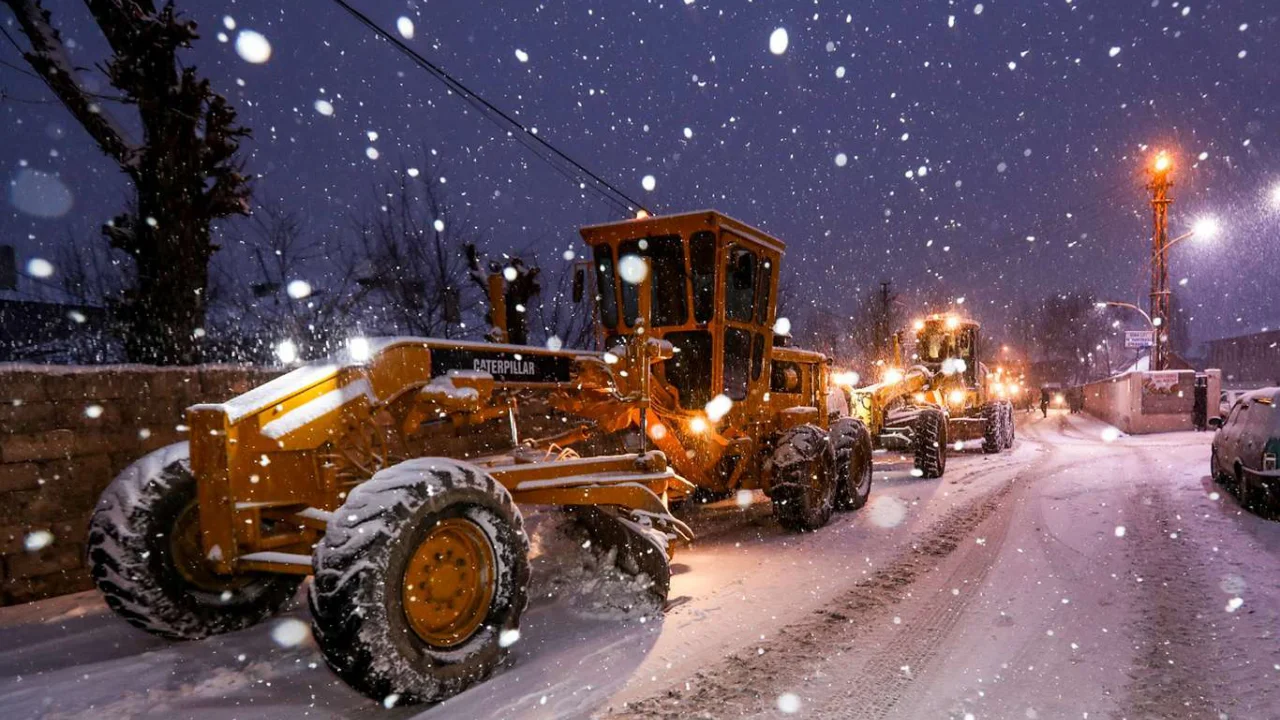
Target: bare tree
[
  {"x": 185, "y": 174},
  {"x": 413, "y": 268},
  {"x": 1068, "y": 330},
  {"x": 284, "y": 284}
]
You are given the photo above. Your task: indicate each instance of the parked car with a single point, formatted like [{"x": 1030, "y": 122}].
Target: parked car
[
  {"x": 1245, "y": 449},
  {"x": 1227, "y": 398}
]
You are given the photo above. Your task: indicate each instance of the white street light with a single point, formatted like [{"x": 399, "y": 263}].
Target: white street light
[
  {"x": 1275, "y": 195},
  {"x": 1206, "y": 227}
]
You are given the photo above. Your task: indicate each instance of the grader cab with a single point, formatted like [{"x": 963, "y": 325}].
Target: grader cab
[{"x": 349, "y": 469}]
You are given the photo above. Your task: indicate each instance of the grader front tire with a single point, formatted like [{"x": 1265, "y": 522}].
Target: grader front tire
[
  {"x": 804, "y": 479},
  {"x": 851, "y": 443},
  {"x": 992, "y": 428},
  {"x": 420, "y": 578},
  {"x": 930, "y": 458},
  {"x": 145, "y": 554}
]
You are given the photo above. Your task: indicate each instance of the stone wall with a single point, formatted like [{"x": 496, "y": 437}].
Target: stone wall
[
  {"x": 1149, "y": 402},
  {"x": 64, "y": 434}
]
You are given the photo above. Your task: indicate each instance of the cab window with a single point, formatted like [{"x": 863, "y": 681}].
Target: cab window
[
  {"x": 784, "y": 377},
  {"x": 670, "y": 288},
  {"x": 762, "y": 293},
  {"x": 604, "y": 281},
  {"x": 702, "y": 262},
  {"x": 689, "y": 369},
  {"x": 740, "y": 291},
  {"x": 737, "y": 363}
]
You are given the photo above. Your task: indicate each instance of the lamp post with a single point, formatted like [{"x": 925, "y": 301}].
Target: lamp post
[
  {"x": 1159, "y": 186},
  {"x": 1151, "y": 322}
]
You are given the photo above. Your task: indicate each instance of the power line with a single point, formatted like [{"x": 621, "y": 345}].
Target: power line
[{"x": 522, "y": 134}]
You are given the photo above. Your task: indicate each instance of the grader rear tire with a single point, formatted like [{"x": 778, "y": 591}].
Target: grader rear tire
[
  {"x": 804, "y": 479},
  {"x": 1012, "y": 420},
  {"x": 145, "y": 555},
  {"x": 851, "y": 443},
  {"x": 992, "y": 434},
  {"x": 420, "y": 580},
  {"x": 931, "y": 443}
]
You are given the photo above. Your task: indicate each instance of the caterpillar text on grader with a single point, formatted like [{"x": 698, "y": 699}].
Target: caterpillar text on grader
[{"x": 420, "y": 562}]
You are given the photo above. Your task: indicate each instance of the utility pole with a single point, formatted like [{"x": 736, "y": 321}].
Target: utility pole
[
  {"x": 884, "y": 322},
  {"x": 1160, "y": 200}
]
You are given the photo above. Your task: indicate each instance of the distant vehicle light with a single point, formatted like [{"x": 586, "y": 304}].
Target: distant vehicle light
[
  {"x": 953, "y": 322},
  {"x": 1058, "y": 399},
  {"x": 918, "y": 325},
  {"x": 845, "y": 378},
  {"x": 893, "y": 375},
  {"x": 698, "y": 425}
]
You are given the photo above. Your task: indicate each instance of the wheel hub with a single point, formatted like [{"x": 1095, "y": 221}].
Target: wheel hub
[
  {"x": 449, "y": 583},
  {"x": 187, "y": 549}
]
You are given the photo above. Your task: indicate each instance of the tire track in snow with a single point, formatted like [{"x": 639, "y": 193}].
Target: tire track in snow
[
  {"x": 1178, "y": 670},
  {"x": 748, "y": 682}
]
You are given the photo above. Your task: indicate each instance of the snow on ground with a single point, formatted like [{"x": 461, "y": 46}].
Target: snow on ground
[{"x": 1002, "y": 590}]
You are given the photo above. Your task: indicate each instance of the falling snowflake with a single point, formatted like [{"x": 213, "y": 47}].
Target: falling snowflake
[
  {"x": 37, "y": 540},
  {"x": 252, "y": 47},
  {"x": 778, "y": 41},
  {"x": 405, "y": 27},
  {"x": 789, "y": 703},
  {"x": 718, "y": 407},
  {"x": 324, "y": 107},
  {"x": 39, "y": 268},
  {"x": 290, "y": 632},
  {"x": 522, "y": 56},
  {"x": 648, "y": 182},
  {"x": 298, "y": 289},
  {"x": 633, "y": 269}
]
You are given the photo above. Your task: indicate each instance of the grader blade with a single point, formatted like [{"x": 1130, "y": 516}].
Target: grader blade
[{"x": 640, "y": 552}]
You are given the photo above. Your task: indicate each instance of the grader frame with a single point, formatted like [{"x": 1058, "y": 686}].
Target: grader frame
[{"x": 273, "y": 462}]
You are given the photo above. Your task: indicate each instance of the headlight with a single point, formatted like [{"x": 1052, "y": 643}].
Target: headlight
[
  {"x": 845, "y": 378},
  {"x": 919, "y": 397},
  {"x": 956, "y": 397},
  {"x": 1057, "y": 399},
  {"x": 893, "y": 375},
  {"x": 698, "y": 425}
]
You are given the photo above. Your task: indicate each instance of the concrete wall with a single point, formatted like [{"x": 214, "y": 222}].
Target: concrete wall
[
  {"x": 1145, "y": 402},
  {"x": 64, "y": 434}
]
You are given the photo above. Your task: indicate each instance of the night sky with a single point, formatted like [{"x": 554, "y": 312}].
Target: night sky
[{"x": 921, "y": 142}]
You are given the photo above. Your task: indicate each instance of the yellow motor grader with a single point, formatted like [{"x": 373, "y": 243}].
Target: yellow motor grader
[
  {"x": 976, "y": 399},
  {"x": 420, "y": 558},
  {"x": 898, "y": 416}
]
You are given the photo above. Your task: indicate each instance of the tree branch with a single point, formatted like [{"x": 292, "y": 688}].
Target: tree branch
[{"x": 48, "y": 57}]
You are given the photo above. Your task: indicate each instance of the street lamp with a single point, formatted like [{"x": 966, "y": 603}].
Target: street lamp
[
  {"x": 1275, "y": 195},
  {"x": 1204, "y": 227},
  {"x": 1102, "y": 305}
]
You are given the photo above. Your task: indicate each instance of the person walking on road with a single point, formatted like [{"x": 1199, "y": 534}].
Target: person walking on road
[{"x": 1044, "y": 401}]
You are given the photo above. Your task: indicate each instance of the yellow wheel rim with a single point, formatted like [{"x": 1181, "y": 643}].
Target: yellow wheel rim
[{"x": 449, "y": 583}]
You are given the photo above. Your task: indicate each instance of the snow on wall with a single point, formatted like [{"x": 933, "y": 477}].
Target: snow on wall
[{"x": 64, "y": 434}]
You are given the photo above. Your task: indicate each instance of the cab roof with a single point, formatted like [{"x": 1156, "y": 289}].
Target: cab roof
[{"x": 682, "y": 223}]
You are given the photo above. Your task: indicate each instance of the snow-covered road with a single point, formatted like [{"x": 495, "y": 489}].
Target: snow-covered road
[{"x": 1006, "y": 589}]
